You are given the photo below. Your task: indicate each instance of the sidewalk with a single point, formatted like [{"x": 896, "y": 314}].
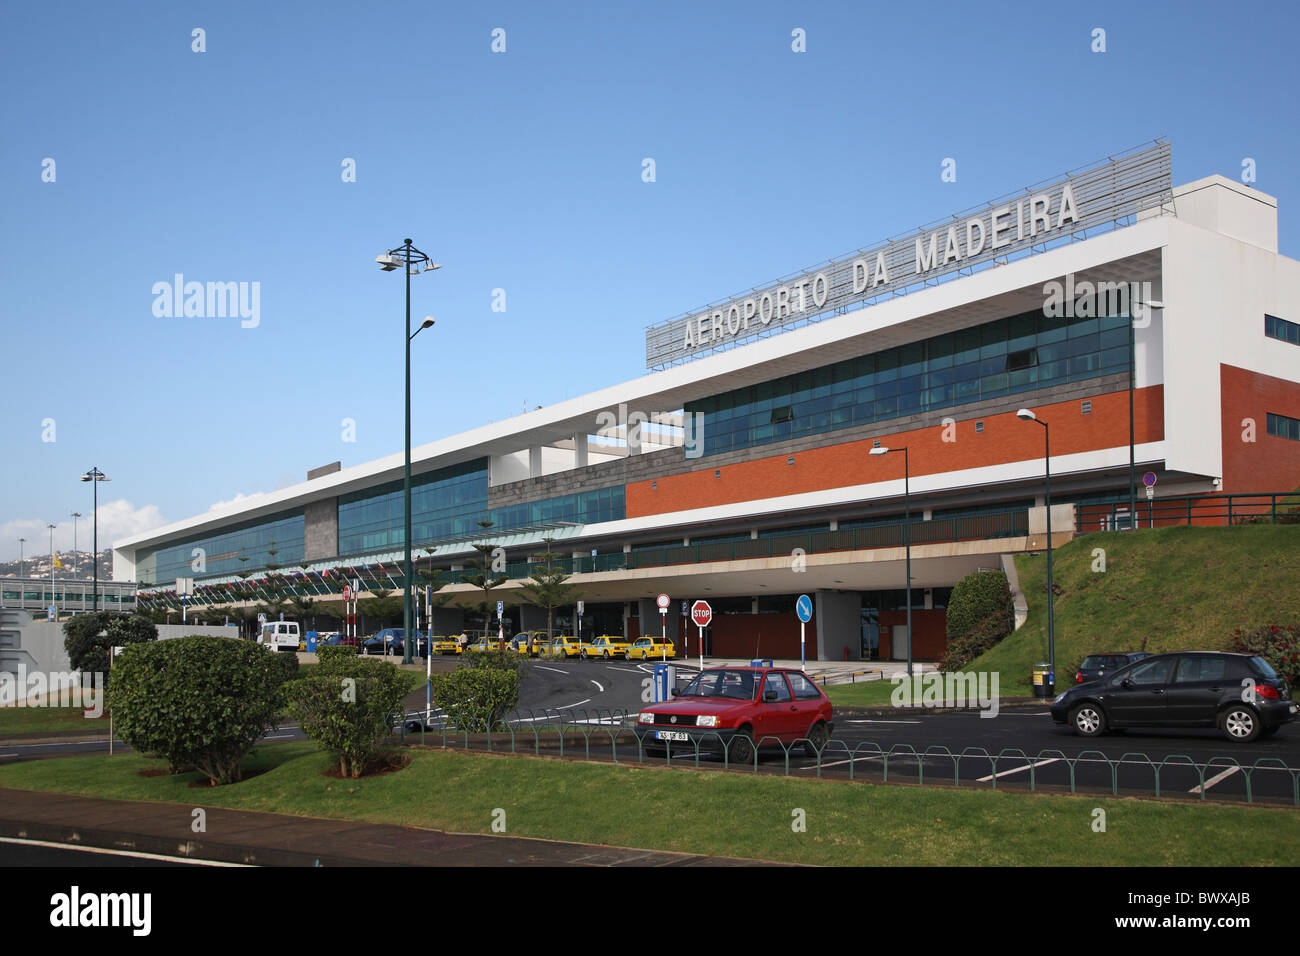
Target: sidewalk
[{"x": 270, "y": 839}]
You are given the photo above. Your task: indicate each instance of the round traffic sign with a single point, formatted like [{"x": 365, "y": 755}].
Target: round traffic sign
[
  {"x": 803, "y": 607},
  {"x": 1149, "y": 479},
  {"x": 701, "y": 613},
  {"x": 663, "y": 601}
]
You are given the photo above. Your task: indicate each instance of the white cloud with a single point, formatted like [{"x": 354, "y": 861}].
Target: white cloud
[
  {"x": 230, "y": 503},
  {"x": 117, "y": 519}
]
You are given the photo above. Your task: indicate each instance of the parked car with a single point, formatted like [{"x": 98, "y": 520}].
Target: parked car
[
  {"x": 446, "y": 645},
  {"x": 734, "y": 707},
  {"x": 1096, "y": 666},
  {"x": 541, "y": 643},
  {"x": 651, "y": 649},
  {"x": 280, "y": 636},
  {"x": 391, "y": 640},
  {"x": 344, "y": 640},
  {"x": 1238, "y": 693},
  {"x": 565, "y": 646},
  {"x": 605, "y": 647}
]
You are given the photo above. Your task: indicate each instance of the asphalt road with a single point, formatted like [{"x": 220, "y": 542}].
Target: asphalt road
[{"x": 1019, "y": 747}]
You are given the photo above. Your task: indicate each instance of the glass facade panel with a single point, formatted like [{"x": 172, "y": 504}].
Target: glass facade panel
[
  {"x": 222, "y": 551},
  {"x": 1015, "y": 354}
]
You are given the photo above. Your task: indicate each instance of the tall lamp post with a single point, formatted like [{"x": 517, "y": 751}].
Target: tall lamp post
[
  {"x": 52, "y": 527},
  {"x": 95, "y": 476},
  {"x": 1026, "y": 415},
  {"x": 907, "y": 540},
  {"x": 408, "y": 258},
  {"x": 21, "y": 542},
  {"x": 76, "y": 557}
]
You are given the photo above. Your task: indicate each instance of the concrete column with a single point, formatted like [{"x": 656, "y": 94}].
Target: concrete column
[
  {"x": 835, "y": 525},
  {"x": 535, "y": 461},
  {"x": 927, "y": 514},
  {"x": 753, "y": 534},
  {"x": 839, "y": 625},
  {"x": 580, "y": 451}
]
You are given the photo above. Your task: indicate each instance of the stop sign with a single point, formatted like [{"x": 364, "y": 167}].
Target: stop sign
[{"x": 701, "y": 613}]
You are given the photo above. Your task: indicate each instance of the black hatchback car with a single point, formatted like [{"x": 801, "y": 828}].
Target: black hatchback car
[{"x": 1240, "y": 694}]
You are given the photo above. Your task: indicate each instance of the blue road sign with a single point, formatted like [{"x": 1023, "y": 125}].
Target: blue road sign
[
  {"x": 501, "y": 606},
  {"x": 1149, "y": 479},
  {"x": 803, "y": 607}
]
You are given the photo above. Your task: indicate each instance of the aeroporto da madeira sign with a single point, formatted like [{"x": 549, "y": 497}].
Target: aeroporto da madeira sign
[{"x": 1100, "y": 195}]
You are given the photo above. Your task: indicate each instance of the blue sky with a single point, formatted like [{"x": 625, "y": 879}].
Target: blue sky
[{"x": 519, "y": 171}]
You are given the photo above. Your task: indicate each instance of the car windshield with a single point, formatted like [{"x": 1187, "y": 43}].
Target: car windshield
[
  {"x": 734, "y": 685},
  {"x": 1094, "y": 661}
]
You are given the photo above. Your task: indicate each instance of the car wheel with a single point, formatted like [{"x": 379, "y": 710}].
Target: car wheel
[
  {"x": 1240, "y": 724},
  {"x": 1088, "y": 720},
  {"x": 604, "y": 655},
  {"x": 582, "y": 655},
  {"x": 740, "y": 748},
  {"x": 817, "y": 738}
]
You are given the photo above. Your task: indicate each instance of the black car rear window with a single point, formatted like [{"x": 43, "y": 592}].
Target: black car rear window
[{"x": 1263, "y": 667}]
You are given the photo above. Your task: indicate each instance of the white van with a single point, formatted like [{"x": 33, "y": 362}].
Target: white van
[{"x": 280, "y": 635}]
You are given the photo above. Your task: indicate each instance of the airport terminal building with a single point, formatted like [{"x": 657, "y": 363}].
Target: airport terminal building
[{"x": 1154, "y": 328}]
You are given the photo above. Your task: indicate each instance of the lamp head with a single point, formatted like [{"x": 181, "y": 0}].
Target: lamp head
[
  {"x": 387, "y": 261},
  {"x": 1027, "y": 415},
  {"x": 427, "y": 323},
  {"x": 879, "y": 451}
]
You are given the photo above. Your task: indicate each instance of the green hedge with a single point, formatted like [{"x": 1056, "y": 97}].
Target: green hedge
[
  {"x": 980, "y": 614},
  {"x": 476, "y": 698},
  {"x": 200, "y": 702}
]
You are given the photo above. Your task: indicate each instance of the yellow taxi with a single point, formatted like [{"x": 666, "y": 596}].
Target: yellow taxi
[
  {"x": 565, "y": 647},
  {"x": 492, "y": 643},
  {"x": 605, "y": 647},
  {"x": 439, "y": 644},
  {"x": 541, "y": 643},
  {"x": 651, "y": 648}
]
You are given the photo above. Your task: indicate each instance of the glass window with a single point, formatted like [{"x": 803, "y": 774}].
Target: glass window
[
  {"x": 804, "y": 689},
  {"x": 775, "y": 683},
  {"x": 1150, "y": 672},
  {"x": 1198, "y": 668}
]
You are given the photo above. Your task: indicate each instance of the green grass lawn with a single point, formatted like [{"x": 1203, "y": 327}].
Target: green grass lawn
[
  {"x": 1163, "y": 589},
  {"x": 17, "y": 721},
  {"x": 714, "y": 813},
  {"x": 874, "y": 693}
]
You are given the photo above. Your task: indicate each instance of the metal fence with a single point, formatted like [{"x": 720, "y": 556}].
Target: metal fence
[
  {"x": 598, "y": 733},
  {"x": 1215, "y": 510}
]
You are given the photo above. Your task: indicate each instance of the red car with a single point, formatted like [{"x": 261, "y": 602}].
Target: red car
[{"x": 736, "y": 707}]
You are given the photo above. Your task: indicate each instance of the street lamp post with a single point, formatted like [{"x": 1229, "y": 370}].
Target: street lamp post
[
  {"x": 907, "y": 541},
  {"x": 76, "y": 557},
  {"x": 52, "y": 527},
  {"x": 95, "y": 476},
  {"x": 1029, "y": 416},
  {"x": 21, "y": 542},
  {"x": 410, "y": 259}
]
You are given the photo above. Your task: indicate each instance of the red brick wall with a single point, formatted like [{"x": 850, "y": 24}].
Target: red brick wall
[
  {"x": 770, "y": 635},
  {"x": 1005, "y": 439},
  {"x": 929, "y": 633},
  {"x": 1269, "y": 463}
]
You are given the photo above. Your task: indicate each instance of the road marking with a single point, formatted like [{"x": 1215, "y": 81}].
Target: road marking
[
  {"x": 839, "y": 763},
  {"x": 864, "y": 721},
  {"x": 132, "y": 853},
  {"x": 277, "y": 736},
  {"x": 625, "y": 670},
  {"x": 597, "y": 683},
  {"x": 9, "y": 755},
  {"x": 1218, "y": 777},
  {"x": 555, "y": 669},
  {"x": 1022, "y": 769}
]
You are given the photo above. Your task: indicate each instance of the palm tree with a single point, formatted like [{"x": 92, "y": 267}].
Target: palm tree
[
  {"x": 548, "y": 589},
  {"x": 484, "y": 576}
]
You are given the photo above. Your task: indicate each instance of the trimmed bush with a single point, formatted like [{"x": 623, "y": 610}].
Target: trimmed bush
[
  {"x": 494, "y": 661},
  {"x": 476, "y": 698},
  {"x": 87, "y": 637},
  {"x": 348, "y": 705},
  {"x": 331, "y": 653},
  {"x": 977, "y": 597},
  {"x": 1277, "y": 644},
  {"x": 200, "y": 702}
]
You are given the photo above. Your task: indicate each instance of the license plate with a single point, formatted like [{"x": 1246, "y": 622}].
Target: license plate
[
  {"x": 671, "y": 735},
  {"x": 1294, "y": 708}
]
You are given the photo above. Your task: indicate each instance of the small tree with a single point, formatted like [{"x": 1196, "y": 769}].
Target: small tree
[
  {"x": 488, "y": 574},
  {"x": 347, "y": 705},
  {"x": 548, "y": 589},
  {"x": 87, "y": 637},
  {"x": 199, "y": 702}
]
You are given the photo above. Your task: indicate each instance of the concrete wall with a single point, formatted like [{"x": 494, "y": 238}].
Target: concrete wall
[
  {"x": 167, "y": 631},
  {"x": 836, "y": 626},
  {"x": 321, "y": 529},
  {"x": 37, "y": 645}
]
